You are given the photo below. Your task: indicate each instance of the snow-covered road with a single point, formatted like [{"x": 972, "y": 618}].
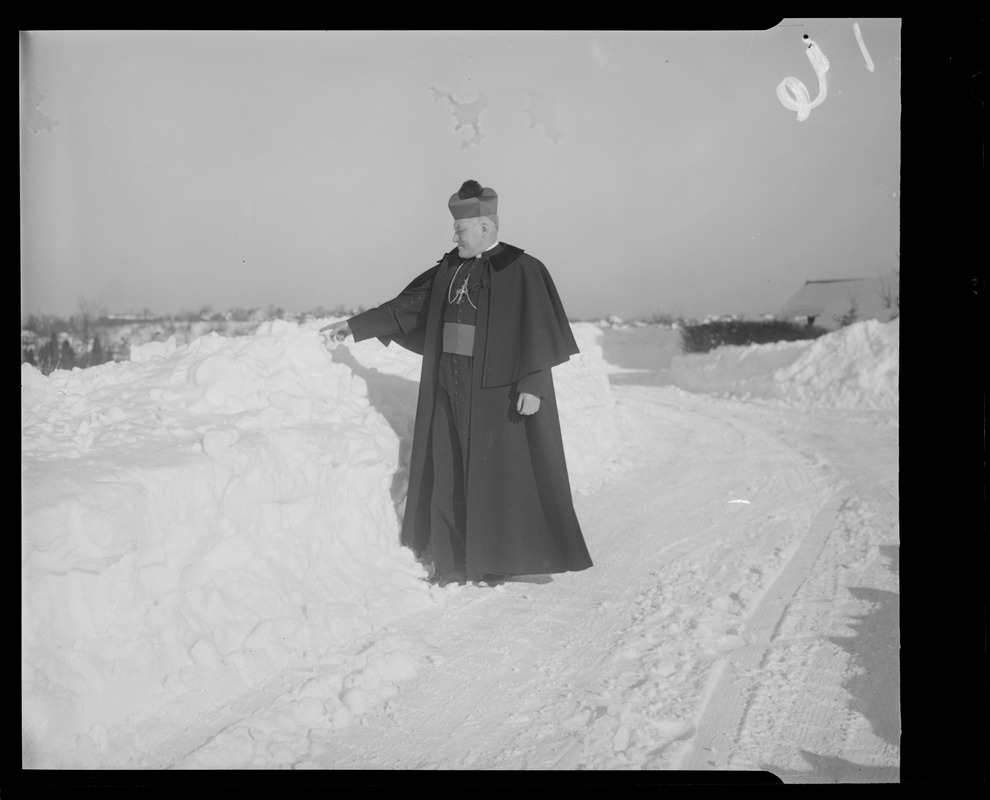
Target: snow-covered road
[
  {"x": 741, "y": 615},
  {"x": 211, "y": 577}
]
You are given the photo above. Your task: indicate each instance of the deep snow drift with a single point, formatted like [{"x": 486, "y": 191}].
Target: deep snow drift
[
  {"x": 855, "y": 367},
  {"x": 202, "y": 519}
]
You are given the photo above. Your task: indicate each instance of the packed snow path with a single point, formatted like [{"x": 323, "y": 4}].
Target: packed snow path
[{"x": 741, "y": 614}]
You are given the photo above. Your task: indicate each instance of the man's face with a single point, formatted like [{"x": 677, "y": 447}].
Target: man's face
[{"x": 469, "y": 237}]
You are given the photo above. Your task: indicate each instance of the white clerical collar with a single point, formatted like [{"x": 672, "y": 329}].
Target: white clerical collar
[{"x": 487, "y": 249}]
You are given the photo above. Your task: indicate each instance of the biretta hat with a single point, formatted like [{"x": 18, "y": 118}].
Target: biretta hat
[{"x": 473, "y": 201}]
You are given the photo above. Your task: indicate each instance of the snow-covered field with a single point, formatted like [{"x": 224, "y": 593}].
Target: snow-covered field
[{"x": 211, "y": 576}]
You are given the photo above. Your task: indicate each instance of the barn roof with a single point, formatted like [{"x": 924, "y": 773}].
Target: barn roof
[{"x": 830, "y": 300}]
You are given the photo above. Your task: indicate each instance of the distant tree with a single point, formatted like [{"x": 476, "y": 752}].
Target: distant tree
[
  {"x": 665, "y": 319},
  {"x": 68, "y": 356},
  {"x": 89, "y": 313},
  {"x": 889, "y": 291},
  {"x": 886, "y": 294},
  {"x": 852, "y": 312},
  {"x": 344, "y": 311},
  {"x": 29, "y": 357},
  {"x": 96, "y": 353},
  {"x": 48, "y": 358}
]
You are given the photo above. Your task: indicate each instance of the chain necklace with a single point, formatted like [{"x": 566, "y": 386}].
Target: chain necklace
[{"x": 462, "y": 292}]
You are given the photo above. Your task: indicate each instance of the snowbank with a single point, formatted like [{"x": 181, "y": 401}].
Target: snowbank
[
  {"x": 855, "y": 367},
  {"x": 201, "y": 518},
  {"x": 587, "y": 410}
]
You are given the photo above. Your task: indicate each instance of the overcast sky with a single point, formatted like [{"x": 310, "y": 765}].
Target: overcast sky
[{"x": 650, "y": 171}]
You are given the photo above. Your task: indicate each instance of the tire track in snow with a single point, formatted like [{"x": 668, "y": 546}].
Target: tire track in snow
[
  {"x": 695, "y": 614},
  {"x": 722, "y": 711},
  {"x": 782, "y": 704},
  {"x": 606, "y": 669}
]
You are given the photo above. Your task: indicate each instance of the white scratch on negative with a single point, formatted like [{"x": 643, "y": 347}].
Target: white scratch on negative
[
  {"x": 793, "y": 94},
  {"x": 862, "y": 46}
]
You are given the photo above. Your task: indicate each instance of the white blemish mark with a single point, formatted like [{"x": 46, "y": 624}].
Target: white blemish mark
[
  {"x": 793, "y": 94},
  {"x": 862, "y": 46},
  {"x": 465, "y": 114},
  {"x": 542, "y": 112},
  {"x": 741, "y": 501}
]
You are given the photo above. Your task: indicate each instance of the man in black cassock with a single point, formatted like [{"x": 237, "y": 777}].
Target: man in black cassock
[{"x": 489, "y": 496}]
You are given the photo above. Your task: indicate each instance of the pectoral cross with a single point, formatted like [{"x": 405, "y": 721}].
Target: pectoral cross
[{"x": 461, "y": 293}]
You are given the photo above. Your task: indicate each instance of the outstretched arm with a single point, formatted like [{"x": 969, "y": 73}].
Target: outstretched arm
[{"x": 397, "y": 317}]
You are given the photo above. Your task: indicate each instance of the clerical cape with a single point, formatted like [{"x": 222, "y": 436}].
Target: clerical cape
[{"x": 519, "y": 510}]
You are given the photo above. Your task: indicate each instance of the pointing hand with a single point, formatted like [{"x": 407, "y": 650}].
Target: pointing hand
[{"x": 336, "y": 331}]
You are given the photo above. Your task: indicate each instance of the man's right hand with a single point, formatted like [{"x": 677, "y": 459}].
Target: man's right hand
[{"x": 336, "y": 331}]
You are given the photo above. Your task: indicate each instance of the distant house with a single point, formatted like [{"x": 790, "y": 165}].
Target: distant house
[{"x": 830, "y": 303}]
